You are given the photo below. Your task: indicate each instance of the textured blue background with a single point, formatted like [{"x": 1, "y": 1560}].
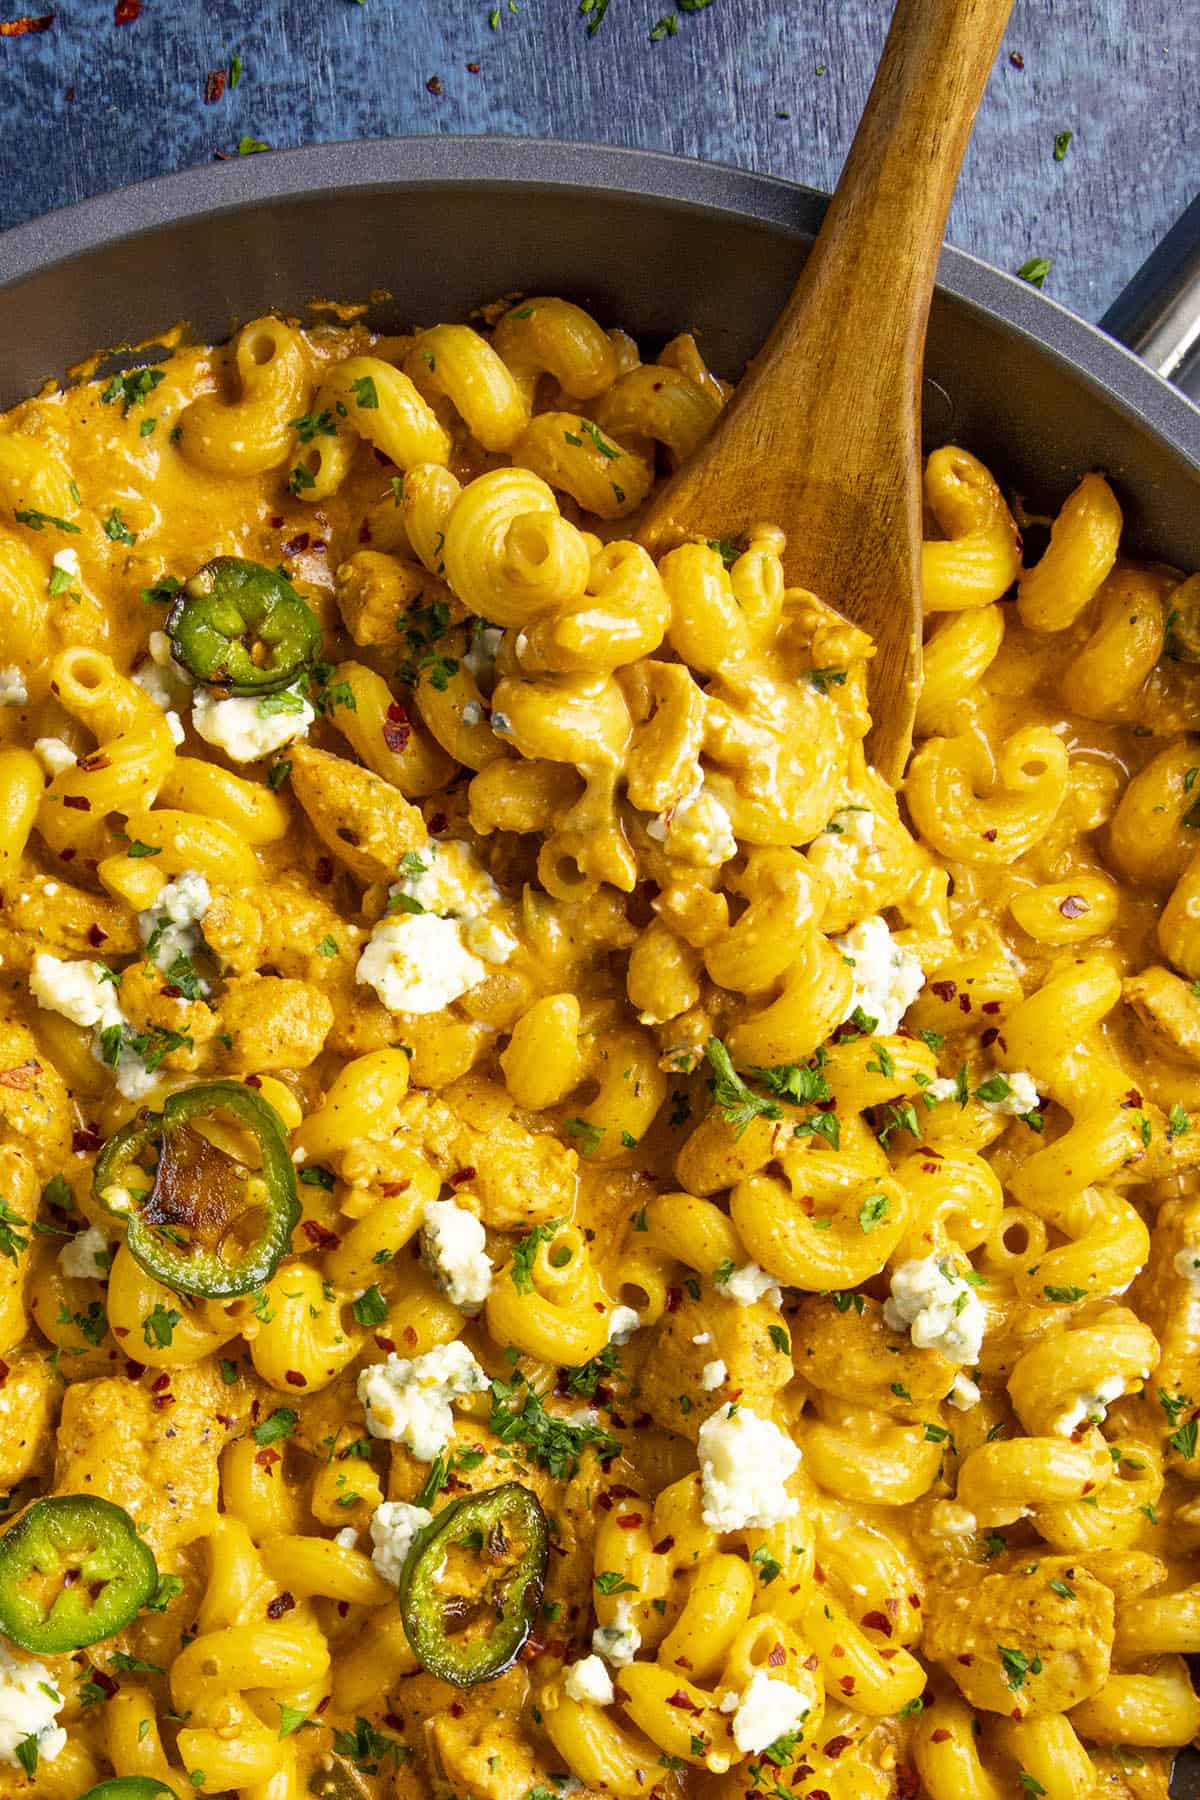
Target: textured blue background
[{"x": 88, "y": 104}]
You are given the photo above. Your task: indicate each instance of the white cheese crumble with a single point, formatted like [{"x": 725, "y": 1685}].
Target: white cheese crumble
[
  {"x": 750, "y": 1284},
  {"x": 85, "y": 1257},
  {"x": 964, "y": 1394},
  {"x": 948, "y": 1519},
  {"x": 54, "y": 754},
  {"x": 943, "y": 1087},
  {"x": 939, "y": 1309},
  {"x": 1090, "y": 1407},
  {"x": 13, "y": 691},
  {"x": 619, "y": 1642},
  {"x": 712, "y": 1375},
  {"x": 697, "y": 829},
  {"x": 454, "y": 1250},
  {"x": 82, "y": 992},
  {"x": 410, "y": 1401},
  {"x": 346, "y": 1538},
  {"x": 589, "y": 1683},
  {"x": 240, "y": 727},
  {"x": 1187, "y": 1264},
  {"x": 448, "y": 879},
  {"x": 472, "y": 713},
  {"x": 29, "y": 1703},
  {"x": 623, "y": 1321},
  {"x": 419, "y": 963},
  {"x": 887, "y": 978},
  {"x": 169, "y": 928},
  {"x": 68, "y": 561},
  {"x": 765, "y": 1710},
  {"x": 1021, "y": 1098},
  {"x": 394, "y": 1526},
  {"x": 745, "y": 1463}
]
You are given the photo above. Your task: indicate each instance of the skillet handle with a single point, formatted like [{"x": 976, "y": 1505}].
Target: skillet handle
[{"x": 1158, "y": 314}]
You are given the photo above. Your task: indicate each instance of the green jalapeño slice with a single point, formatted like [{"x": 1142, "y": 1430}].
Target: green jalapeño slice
[
  {"x": 73, "y": 1570},
  {"x": 243, "y": 628},
  {"x": 472, "y": 1584},
  {"x": 131, "y": 1787},
  {"x": 206, "y": 1223}
]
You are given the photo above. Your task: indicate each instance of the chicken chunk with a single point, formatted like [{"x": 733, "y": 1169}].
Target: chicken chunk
[
  {"x": 1038, "y": 1639},
  {"x": 67, "y": 923},
  {"x": 856, "y": 1356},
  {"x": 276, "y": 927},
  {"x": 29, "y": 1399},
  {"x": 521, "y": 1177},
  {"x": 375, "y": 591},
  {"x": 362, "y": 820},
  {"x": 480, "y": 1749},
  {"x": 155, "y": 1454},
  {"x": 1168, "y": 1298},
  {"x": 1168, "y": 1011},
  {"x": 275, "y": 1023},
  {"x": 700, "y": 1340},
  {"x": 152, "y": 1005},
  {"x": 35, "y": 1108}
]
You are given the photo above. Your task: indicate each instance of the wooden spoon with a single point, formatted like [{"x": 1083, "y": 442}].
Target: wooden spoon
[{"x": 823, "y": 436}]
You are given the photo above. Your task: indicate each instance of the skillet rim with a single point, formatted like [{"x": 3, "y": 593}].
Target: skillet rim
[{"x": 650, "y": 176}]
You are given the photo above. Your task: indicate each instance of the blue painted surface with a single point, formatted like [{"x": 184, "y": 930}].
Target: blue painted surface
[{"x": 88, "y": 105}]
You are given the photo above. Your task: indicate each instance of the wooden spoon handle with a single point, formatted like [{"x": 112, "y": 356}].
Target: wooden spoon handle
[
  {"x": 876, "y": 257},
  {"x": 895, "y": 191}
]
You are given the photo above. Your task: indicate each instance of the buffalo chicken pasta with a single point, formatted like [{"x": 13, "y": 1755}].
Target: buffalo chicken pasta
[{"x": 556, "y": 1234}]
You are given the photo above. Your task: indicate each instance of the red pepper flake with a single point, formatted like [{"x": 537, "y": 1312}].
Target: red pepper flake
[
  {"x": 914, "y": 1600},
  {"x": 434, "y": 86},
  {"x": 409, "y": 1335},
  {"x": 663, "y": 1545},
  {"x": 674, "y": 1299},
  {"x": 126, "y": 11},
  {"x": 629, "y": 1521},
  {"x": 295, "y": 545},
  {"x": 254, "y": 1081},
  {"x": 389, "y": 1189},
  {"x": 77, "y": 802},
  {"x": 1016, "y": 59},
  {"x": 97, "y": 760},
  {"x": 323, "y": 869},
  {"x": 964, "y": 1003},
  {"x": 684, "y": 1662},
  {"x": 282, "y": 1603},
  {"x": 396, "y": 729},
  {"x": 122, "y": 1331},
  {"x": 683, "y": 1700},
  {"x": 990, "y": 837},
  {"x": 160, "y": 1382},
  {"x": 945, "y": 990},
  {"x": 25, "y": 27},
  {"x": 294, "y": 1378},
  {"x": 385, "y": 1343},
  {"x": 892, "y": 1605},
  {"x": 991, "y": 1007},
  {"x": 531, "y": 1650},
  {"x": 776, "y": 1657},
  {"x": 877, "y": 1621},
  {"x": 20, "y": 1077},
  {"x": 96, "y": 935},
  {"x": 439, "y": 823},
  {"x": 818, "y": 1793},
  {"x": 887, "y": 1655},
  {"x": 318, "y": 1235},
  {"x": 68, "y": 855},
  {"x": 467, "y": 1174},
  {"x": 1073, "y": 907},
  {"x": 88, "y": 1138},
  {"x": 266, "y": 1459},
  {"x": 908, "y": 1783},
  {"x": 810, "y": 1662},
  {"x": 839, "y": 1649},
  {"x": 939, "y": 1736},
  {"x": 846, "y": 1683},
  {"x": 161, "y": 1402},
  {"x": 104, "y": 1681},
  {"x": 989, "y": 1037},
  {"x": 833, "y": 1749}
]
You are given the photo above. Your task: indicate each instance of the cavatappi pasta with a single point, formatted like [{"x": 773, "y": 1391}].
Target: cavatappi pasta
[{"x": 587, "y": 1242}]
